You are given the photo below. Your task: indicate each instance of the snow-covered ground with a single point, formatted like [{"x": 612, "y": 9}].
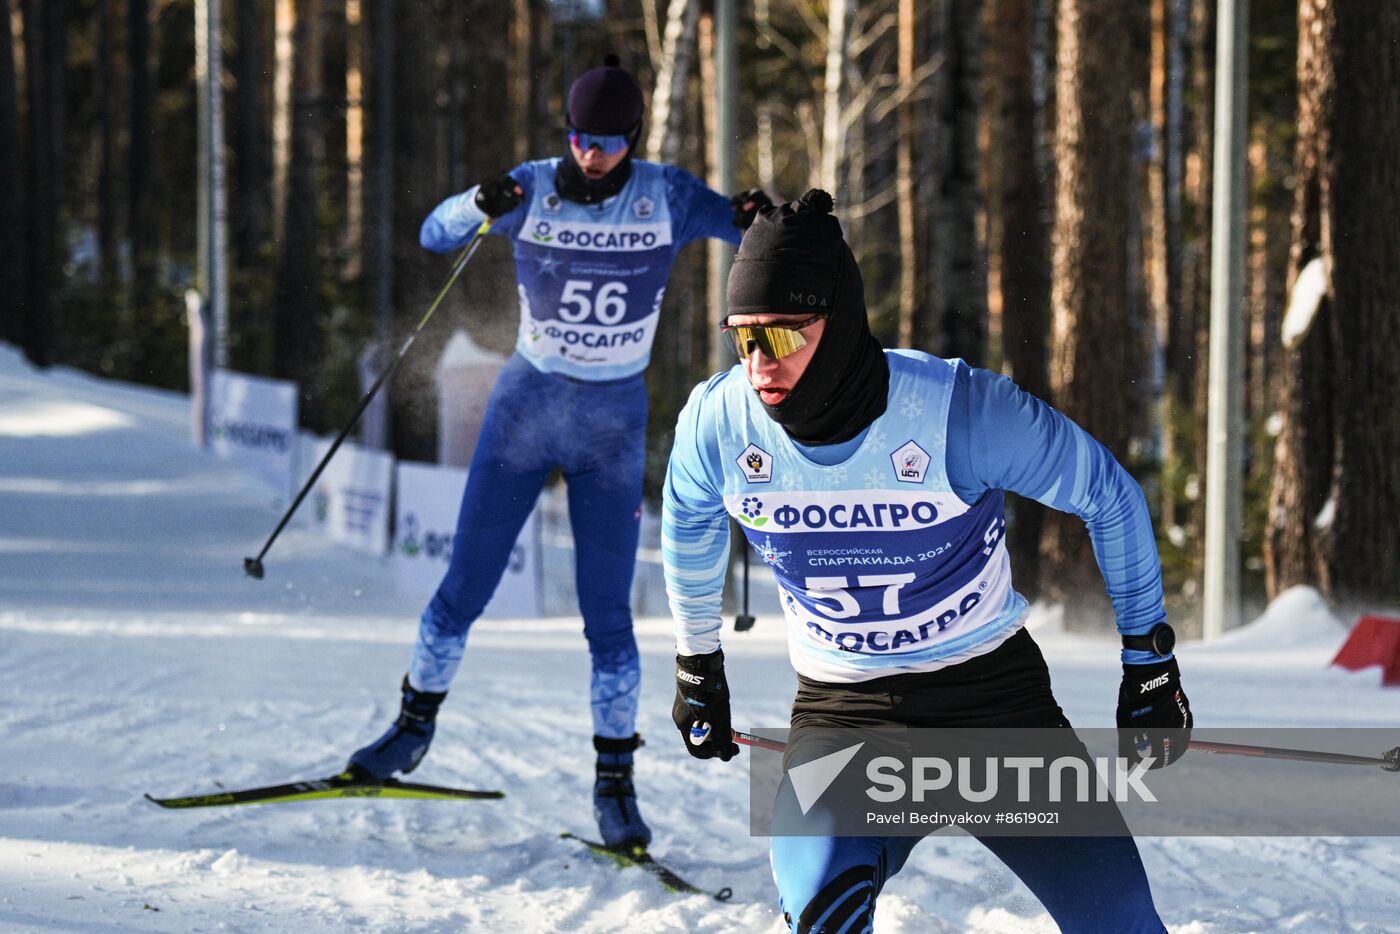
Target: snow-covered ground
[{"x": 135, "y": 656}]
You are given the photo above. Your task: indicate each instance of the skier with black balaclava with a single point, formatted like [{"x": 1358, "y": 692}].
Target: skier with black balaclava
[
  {"x": 595, "y": 233},
  {"x": 871, "y": 482}
]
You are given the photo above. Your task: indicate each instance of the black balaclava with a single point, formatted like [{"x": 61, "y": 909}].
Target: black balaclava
[
  {"x": 605, "y": 100},
  {"x": 794, "y": 261}
]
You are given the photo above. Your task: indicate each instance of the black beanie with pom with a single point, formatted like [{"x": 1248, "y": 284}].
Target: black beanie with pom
[
  {"x": 794, "y": 260},
  {"x": 607, "y": 101}
]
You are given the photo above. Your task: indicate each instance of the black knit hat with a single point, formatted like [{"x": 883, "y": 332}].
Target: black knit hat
[
  {"x": 791, "y": 260},
  {"x": 794, "y": 260},
  {"x": 605, "y": 100}
]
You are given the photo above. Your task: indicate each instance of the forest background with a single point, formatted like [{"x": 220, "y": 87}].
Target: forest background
[{"x": 1026, "y": 184}]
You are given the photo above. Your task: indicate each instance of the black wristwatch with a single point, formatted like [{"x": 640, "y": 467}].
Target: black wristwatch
[{"x": 1159, "y": 640}]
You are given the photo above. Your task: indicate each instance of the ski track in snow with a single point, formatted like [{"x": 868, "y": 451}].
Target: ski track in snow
[{"x": 136, "y": 657}]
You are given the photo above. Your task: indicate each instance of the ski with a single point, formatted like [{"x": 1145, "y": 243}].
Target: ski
[
  {"x": 639, "y": 857},
  {"x": 344, "y": 785}
]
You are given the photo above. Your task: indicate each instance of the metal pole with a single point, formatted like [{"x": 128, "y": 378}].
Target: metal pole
[
  {"x": 726, "y": 162},
  {"x": 1225, "y": 399}
]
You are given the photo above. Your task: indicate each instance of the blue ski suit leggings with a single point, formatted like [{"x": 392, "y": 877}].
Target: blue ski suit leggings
[
  {"x": 828, "y": 885},
  {"x": 595, "y": 432}
]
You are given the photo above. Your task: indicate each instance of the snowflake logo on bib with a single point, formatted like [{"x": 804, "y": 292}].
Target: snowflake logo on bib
[{"x": 771, "y": 554}]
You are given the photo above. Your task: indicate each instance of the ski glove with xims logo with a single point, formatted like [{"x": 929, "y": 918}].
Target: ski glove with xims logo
[
  {"x": 499, "y": 195},
  {"x": 406, "y": 741},
  {"x": 1154, "y": 716},
  {"x": 701, "y": 710}
]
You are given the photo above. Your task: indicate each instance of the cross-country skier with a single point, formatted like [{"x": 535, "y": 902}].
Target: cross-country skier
[
  {"x": 595, "y": 234},
  {"x": 822, "y": 443}
]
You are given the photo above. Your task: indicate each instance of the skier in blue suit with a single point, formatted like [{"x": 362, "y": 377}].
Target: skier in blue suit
[
  {"x": 871, "y": 482},
  {"x": 595, "y": 234}
]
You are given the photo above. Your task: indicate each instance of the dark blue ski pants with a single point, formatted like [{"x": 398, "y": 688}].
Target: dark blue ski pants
[
  {"x": 829, "y": 884},
  {"x": 595, "y": 433}
]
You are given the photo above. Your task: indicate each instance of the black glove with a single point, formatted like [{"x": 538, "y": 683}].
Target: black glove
[
  {"x": 701, "y": 710},
  {"x": 1154, "y": 716},
  {"x": 746, "y": 205},
  {"x": 499, "y": 195},
  {"x": 406, "y": 741}
]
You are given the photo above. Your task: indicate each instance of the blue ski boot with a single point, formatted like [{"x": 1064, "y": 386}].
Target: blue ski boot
[
  {"x": 614, "y": 799},
  {"x": 406, "y": 741}
]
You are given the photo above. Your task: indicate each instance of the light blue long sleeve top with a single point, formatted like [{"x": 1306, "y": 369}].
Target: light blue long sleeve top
[{"x": 998, "y": 437}]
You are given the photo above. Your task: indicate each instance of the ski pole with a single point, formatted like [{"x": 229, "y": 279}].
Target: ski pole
[
  {"x": 749, "y": 739},
  {"x": 253, "y": 567},
  {"x": 744, "y": 621},
  {"x": 1389, "y": 761}
]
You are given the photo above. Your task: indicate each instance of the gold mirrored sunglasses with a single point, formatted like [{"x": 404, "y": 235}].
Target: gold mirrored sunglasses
[{"x": 775, "y": 340}]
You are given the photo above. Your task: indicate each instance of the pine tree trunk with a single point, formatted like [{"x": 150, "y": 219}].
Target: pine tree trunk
[
  {"x": 45, "y": 54},
  {"x": 283, "y": 65},
  {"x": 298, "y": 305},
  {"x": 108, "y": 207},
  {"x": 520, "y": 80},
  {"x": 1361, "y": 204},
  {"x": 13, "y": 262},
  {"x": 672, "y": 78},
  {"x": 489, "y": 304},
  {"x": 962, "y": 311},
  {"x": 697, "y": 324},
  {"x": 907, "y": 122},
  {"x": 1304, "y": 451},
  {"x": 1189, "y": 347},
  {"x": 417, "y": 187},
  {"x": 141, "y": 162},
  {"x": 1090, "y": 327},
  {"x": 1269, "y": 231},
  {"x": 1164, "y": 174},
  {"x": 251, "y": 145},
  {"x": 1024, "y": 261},
  {"x": 355, "y": 89},
  {"x": 840, "y": 15},
  {"x": 379, "y": 200},
  {"x": 930, "y": 161}
]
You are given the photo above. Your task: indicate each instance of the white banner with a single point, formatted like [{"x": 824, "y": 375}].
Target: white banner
[
  {"x": 253, "y": 423},
  {"x": 429, "y": 498},
  {"x": 350, "y": 501}
]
